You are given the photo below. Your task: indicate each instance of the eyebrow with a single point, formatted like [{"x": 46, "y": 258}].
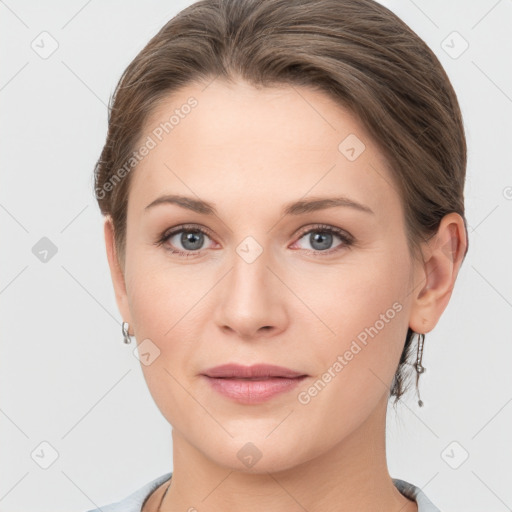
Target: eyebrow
[{"x": 295, "y": 208}]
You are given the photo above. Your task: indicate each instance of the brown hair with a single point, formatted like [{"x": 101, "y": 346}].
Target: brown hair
[{"x": 356, "y": 51}]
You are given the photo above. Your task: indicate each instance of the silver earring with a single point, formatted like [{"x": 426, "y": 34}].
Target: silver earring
[
  {"x": 126, "y": 336},
  {"x": 419, "y": 367}
]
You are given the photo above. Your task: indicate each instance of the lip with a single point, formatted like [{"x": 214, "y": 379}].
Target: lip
[{"x": 252, "y": 384}]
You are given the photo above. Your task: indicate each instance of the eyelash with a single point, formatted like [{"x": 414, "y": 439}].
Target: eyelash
[{"x": 321, "y": 228}]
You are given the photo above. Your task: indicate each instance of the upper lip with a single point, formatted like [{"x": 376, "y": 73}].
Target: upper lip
[{"x": 234, "y": 370}]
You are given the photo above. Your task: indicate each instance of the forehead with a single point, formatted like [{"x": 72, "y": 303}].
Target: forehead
[{"x": 240, "y": 143}]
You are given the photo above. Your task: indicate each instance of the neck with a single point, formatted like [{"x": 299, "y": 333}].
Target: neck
[{"x": 350, "y": 476}]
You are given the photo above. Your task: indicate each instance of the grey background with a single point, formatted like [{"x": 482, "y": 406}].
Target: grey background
[{"x": 67, "y": 379}]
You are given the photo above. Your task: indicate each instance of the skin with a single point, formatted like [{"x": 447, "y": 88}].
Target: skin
[{"x": 251, "y": 151}]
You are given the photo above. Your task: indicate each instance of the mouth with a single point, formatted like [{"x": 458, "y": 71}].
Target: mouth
[
  {"x": 252, "y": 384},
  {"x": 254, "y": 378},
  {"x": 254, "y": 372}
]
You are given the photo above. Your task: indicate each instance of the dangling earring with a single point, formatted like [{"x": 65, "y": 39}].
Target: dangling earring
[
  {"x": 126, "y": 336},
  {"x": 419, "y": 367}
]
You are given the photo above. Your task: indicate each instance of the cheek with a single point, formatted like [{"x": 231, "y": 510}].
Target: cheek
[
  {"x": 353, "y": 296},
  {"x": 163, "y": 313},
  {"x": 363, "y": 309},
  {"x": 160, "y": 293},
  {"x": 370, "y": 299},
  {"x": 356, "y": 362},
  {"x": 152, "y": 304},
  {"x": 166, "y": 303}
]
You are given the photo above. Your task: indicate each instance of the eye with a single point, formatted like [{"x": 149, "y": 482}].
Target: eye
[
  {"x": 184, "y": 240},
  {"x": 321, "y": 237}
]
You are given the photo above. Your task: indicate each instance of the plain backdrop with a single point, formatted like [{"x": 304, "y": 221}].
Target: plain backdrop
[{"x": 71, "y": 390}]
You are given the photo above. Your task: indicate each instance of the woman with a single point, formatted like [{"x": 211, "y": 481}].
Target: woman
[{"x": 282, "y": 184}]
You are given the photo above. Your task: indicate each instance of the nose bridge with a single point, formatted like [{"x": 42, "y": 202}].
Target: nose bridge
[
  {"x": 250, "y": 277},
  {"x": 250, "y": 299}
]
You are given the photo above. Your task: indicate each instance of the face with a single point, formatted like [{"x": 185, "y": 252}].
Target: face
[{"x": 258, "y": 276}]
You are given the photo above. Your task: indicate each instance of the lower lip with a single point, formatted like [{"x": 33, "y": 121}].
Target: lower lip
[{"x": 253, "y": 391}]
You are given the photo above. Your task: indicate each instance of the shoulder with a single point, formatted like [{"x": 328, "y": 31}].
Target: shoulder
[
  {"x": 134, "y": 501},
  {"x": 415, "y": 493}
]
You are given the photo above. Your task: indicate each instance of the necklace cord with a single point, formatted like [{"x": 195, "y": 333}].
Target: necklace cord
[{"x": 162, "y": 500}]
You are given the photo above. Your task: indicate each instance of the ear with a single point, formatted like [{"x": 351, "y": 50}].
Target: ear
[
  {"x": 435, "y": 278},
  {"x": 116, "y": 272}
]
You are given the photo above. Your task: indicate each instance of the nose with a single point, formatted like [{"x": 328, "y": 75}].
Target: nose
[{"x": 251, "y": 302}]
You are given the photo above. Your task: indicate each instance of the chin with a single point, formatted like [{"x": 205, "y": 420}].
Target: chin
[{"x": 258, "y": 453}]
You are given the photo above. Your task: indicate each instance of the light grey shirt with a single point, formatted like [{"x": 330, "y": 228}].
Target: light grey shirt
[{"x": 135, "y": 501}]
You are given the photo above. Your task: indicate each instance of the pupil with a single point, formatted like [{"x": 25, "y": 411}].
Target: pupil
[{"x": 324, "y": 239}]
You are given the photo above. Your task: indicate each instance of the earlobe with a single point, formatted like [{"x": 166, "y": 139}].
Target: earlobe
[
  {"x": 116, "y": 272},
  {"x": 435, "y": 279}
]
